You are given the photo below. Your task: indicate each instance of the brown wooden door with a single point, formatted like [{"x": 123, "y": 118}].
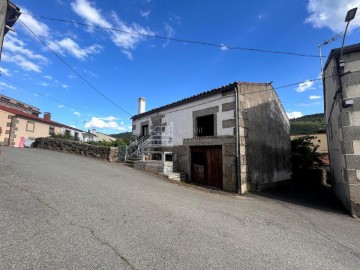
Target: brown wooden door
[{"x": 206, "y": 165}]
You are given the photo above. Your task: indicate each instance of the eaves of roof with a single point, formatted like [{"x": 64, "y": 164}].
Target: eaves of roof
[
  {"x": 33, "y": 117},
  {"x": 195, "y": 97},
  {"x": 336, "y": 52}
]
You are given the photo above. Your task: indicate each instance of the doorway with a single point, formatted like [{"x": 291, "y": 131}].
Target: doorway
[{"x": 206, "y": 165}]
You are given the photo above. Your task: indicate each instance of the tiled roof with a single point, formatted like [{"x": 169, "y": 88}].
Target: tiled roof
[
  {"x": 30, "y": 116},
  {"x": 196, "y": 97}
]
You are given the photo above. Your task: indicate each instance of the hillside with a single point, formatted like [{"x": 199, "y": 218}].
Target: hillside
[
  {"x": 125, "y": 135},
  {"x": 307, "y": 124}
]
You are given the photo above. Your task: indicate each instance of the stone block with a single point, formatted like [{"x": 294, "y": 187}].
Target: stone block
[
  {"x": 356, "y": 147},
  {"x": 229, "y": 180},
  {"x": 207, "y": 111},
  {"x": 344, "y": 119},
  {"x": 355, "y": 118},
  {"x": 347, "y": 147},
  {"x": 351, "y": 133},
  {"x": 354, "y": 193},
  {"x": 351, "y": 176},
  {"x": 352, "y": 161},
  {"x": 228, "y": 106},
  {"x": 230, "y": 149},
  {"x": 229, "y": 123}
]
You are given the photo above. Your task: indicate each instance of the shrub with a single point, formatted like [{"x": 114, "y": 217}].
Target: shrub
[{"x": 305, "y": 160}]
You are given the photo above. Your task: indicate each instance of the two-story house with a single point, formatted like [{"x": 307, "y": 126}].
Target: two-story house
[{"x": 234, "y": 137}]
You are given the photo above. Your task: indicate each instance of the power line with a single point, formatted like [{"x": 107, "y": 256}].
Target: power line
[
  {"x": 74, "y": 71},
  {"x": 221, "y": 46},
  {"x": 50, "y": 98}
]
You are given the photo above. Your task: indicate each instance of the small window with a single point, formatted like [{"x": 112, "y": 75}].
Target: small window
[
  {"x": 30, "y": 126},
  {"x": 51, "y": 130},
  {"x": 76, "y": 135},
  {"x": 205, "y": 126},
  {"x": 67, "y": 132}
]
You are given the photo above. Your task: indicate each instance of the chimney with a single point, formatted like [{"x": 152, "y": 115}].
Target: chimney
[
  {"x": 47, "y": 116},
  {"x": 141, "y": 105}
]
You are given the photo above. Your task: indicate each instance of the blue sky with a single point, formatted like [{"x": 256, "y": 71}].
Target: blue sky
[{"x": 124, "y": 67}]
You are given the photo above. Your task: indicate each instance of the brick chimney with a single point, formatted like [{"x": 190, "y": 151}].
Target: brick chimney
[{"x": 47, "y": 116}]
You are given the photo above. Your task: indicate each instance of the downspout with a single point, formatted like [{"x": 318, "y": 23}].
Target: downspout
[{"x": 238, "y": 178}]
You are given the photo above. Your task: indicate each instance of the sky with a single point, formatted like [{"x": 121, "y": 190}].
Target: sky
[{"x": 90, "y": 77}]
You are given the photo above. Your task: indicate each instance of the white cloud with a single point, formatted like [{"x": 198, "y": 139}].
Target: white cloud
[
  {"x": 89, "y": 13},
  {"x": 145, "y": 13},
  {"x": 292, "y": 115},
  {"x": 305, "y": 86},
  {"x": 48, "y": 77},
  {"x": 223, "y": 47},
  {"x": 315, "y": 97},
  {"x": 170, "y": 32},
  {"x": 4, "y": 71},
  {"x": 61, "y": 106},
  {"x": 105, "y": 123},
  {"x": 124, "y": 39},
  {"x": 65, "y": 86},
  {"x": 13, "y": 44},
  {"x": 40, "y": 29},
  {"x": 331, "y": 14},
  {"x": 22, "y": 62},
  {"x": 43, "y": 84},
  {"x": 71, "y": 47},
  {"x": 93, "y": 16},
  {"x": 309, "y": 104},
  {"x": 7, "y": 85},
  {"x": 76, "y": 113},
  {"x": 128, "y": 54}
]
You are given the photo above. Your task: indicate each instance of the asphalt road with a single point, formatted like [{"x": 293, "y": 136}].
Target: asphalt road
[{"x": 61, "y": 211}]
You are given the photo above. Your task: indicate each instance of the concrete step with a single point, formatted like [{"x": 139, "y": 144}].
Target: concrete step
[{"x": 177, "y": 176}]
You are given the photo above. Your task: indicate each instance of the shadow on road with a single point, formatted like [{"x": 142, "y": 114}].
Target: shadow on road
[{"x": 320, "y": 198}]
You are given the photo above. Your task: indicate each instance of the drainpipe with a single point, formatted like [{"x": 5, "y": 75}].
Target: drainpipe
[
  {"x": 11, "y": 128},
  {"x": 238, "y": 178}
]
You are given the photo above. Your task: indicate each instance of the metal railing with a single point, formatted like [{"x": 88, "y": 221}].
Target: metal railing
[{"x": 160, "y": 136}]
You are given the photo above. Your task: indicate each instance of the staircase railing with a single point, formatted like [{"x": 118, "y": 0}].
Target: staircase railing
[{"x": 160, "y": 136}]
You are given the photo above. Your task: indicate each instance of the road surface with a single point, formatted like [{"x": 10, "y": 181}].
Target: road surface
[{"x": 62, "y": 211}]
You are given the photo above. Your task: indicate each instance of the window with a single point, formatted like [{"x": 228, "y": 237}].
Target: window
[
  {"x": 67, "y": 132},
  {"x": 76, "y": 135},
  {"x": 30, "y": 126},
  {"x": 205, "y": 126},
  {"x": 51, "y": 130}
]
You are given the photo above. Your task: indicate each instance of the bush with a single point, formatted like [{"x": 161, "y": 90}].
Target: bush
[
  {"x": 116, "y": 143},
  {"x": 306, "y": 162},
  {"x": 64, "y": 137}
]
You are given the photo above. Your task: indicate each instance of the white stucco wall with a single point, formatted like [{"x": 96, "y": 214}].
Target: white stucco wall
[{"x": 181, "y": 117}]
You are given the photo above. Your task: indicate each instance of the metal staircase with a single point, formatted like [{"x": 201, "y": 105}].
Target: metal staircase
[{"x": 160, "y": 136}]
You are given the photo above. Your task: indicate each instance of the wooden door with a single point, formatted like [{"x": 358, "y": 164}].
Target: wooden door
[{"x": 206, "y": 165}]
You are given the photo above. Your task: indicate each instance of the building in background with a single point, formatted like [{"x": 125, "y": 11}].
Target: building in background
[
  {"x": 98, "y": 136},
  {"x": 16, "y": 104},
  {"x": 236, "y": 137},
  {"x": 20, "y": 128},
  {"x": 341, "y": 81}
]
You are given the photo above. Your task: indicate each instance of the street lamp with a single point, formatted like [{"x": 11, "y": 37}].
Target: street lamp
[{"x": 349, "y": 17}]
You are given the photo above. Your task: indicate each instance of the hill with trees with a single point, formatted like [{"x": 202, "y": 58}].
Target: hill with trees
[{"x": 314, "y": 123}]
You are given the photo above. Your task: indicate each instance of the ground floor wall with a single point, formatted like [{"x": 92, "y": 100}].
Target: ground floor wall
[{"x": 183, "y": 158}]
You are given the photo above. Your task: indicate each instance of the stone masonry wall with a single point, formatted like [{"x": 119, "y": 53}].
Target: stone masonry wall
[{"x": 101, "y": 152}]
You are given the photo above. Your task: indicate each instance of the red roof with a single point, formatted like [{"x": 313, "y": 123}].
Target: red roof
[{"x": 30, "y": 116}]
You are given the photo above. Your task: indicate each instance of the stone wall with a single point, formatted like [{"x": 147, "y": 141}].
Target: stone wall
[{"x": 101, "y": 152}]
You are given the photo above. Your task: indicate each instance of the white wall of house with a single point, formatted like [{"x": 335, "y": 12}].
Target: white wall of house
[{"x": 181, "y": 117}]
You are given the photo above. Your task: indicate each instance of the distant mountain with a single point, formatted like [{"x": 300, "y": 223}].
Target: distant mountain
[
  {"x": 126, "y": 135},
  {"x": 308, "y": 124}
]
